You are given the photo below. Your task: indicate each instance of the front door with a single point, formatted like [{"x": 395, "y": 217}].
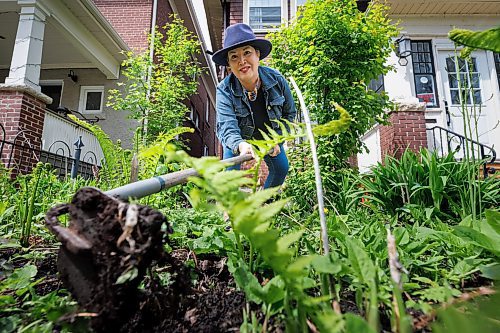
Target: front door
[{"x": 468, "y": 94}]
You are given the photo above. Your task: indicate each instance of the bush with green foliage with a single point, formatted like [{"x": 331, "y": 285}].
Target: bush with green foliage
[
  {"x": 157, "y": 99},
  {"x": 333, "y": 51}
]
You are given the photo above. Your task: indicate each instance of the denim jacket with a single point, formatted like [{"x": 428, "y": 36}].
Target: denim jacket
[{"x": 234, "y": 117}]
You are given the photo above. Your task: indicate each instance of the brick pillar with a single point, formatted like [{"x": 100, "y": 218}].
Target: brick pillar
[
  {"x": 22, "y": 114},
  {"x": 406, "y": 130}
]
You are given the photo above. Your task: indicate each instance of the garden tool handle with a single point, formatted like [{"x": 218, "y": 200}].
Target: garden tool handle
[{"x": 146, "y": 187}]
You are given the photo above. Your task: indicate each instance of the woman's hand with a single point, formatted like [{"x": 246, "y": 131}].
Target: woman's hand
[
  {"x": 275, "y": 152},
  {"x": 246, "y": 148}
]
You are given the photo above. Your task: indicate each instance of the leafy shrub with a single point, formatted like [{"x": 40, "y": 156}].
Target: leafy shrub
[
  {"x": 427, "y": 181},
  {"x": 333, "y": 51}
]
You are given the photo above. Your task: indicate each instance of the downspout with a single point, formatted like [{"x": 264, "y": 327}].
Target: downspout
[
  {"x": 150, "y": 68},
  {"x": 224, "y": 26}
]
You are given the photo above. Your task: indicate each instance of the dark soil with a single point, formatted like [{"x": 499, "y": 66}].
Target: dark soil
[{"x": 99, "y": 248}]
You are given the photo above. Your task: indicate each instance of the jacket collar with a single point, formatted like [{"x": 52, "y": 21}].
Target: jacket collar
[{"x": 267, "y": 80}]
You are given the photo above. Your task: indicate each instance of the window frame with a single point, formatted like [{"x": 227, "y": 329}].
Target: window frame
[
  {"x": 84, "y": 90},
  {"x": 246, "y": 15},
  {"x": 194, "y": 117},
  {"x": 53, "y": 83},
  {"x": 207, "y": 111},
  {"x": 496, "y": 62},
  {"x": 293, "y": 8},
  {"x": 433, "y": 67}
]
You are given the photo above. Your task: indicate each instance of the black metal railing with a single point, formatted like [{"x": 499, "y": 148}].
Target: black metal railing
[
  {"x": 458, "y": 143},
  {"x": 22, "y": 153}
]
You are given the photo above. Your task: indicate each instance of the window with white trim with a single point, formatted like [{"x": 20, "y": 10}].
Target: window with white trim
[
  {"x": 424, "y": 73},
  {"x": 193, "y": 115},
  {"x": 265, "y": 14},
  {"x": 91, "y": 99},
  {"x": 463, "y": 81},
  {"x": 497, "y": 66},
  {"x": 295, "y": 5},
  {"x": 206, "y": 152},
  {"x": 207, "y": 111}
]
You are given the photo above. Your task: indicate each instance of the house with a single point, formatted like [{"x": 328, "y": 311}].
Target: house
[
  {"x": 425, "y": 80},
  {"x": 423, "y": 83},
  {"x": 61, "y": 56}
]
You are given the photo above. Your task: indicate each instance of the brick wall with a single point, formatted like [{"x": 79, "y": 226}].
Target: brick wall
[
  {"x": 205, "y": 133},
  {"x": 131, "y": 19},
  {"x": 22, "y": 116},
  {"x": 406, "y": 131},
  {"x": 236, "y": 12}
]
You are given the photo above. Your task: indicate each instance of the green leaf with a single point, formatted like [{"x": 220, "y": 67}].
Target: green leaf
[
  {"x": 361, "y": 263},
  {"x": 20, "y": 278},
  {"x": 127, "y": 276},
  {"x": 299, "y": 265},
  {"x": 273, "y": 291},
  {"x": 477, "y": 238},
  {"x": 487, "y": 39},
  {"x": 491, "y": 271},
  {"x": 334, "y": 126},
  {"x": 324, "y": 264},
  {"x": 355, "y": 324},
  {"x": 284, "y": 242},
  {"x": 328, "y": 322},
  {"x": 493, "y": 219},
  {"x": 9, "y": 324}
]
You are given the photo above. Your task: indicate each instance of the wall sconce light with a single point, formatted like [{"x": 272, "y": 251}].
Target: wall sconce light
[
  {"x": 72, "y": 75},
  {"x": 403, "y": 49}
]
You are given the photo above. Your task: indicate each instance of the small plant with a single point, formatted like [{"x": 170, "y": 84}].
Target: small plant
[{"x": 155, "y": 89}]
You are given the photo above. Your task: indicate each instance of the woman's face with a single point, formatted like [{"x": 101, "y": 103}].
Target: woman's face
[{"x": 244, "y": 63}]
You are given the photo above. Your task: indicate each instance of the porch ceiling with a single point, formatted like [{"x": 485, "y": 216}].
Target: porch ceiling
[
  {"x": 444, "y": 7},
  {"x": 76, "y": 36}
]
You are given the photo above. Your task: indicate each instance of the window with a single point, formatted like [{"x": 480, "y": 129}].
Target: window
[
  {"x": 463, "y": 77},
  {"x": 53, "y": 89},
  {"x": 264, "y": 14},
  {"x": 497, "y": 66},
  {"x": 295, "y": 5},
  {"x": 91, "y": 99},
  {"x": 193, "y": 115},
  {"x": 424, "y": 73},
  {"x": 377, "y": 85},
  {"x": 205, "y": 151},
  {"x": 207, "y": 111}
]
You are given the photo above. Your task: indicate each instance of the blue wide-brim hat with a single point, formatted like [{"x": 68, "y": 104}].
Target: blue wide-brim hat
[{"x": 238, "y": 35}]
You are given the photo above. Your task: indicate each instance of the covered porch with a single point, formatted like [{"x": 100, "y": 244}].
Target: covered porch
[{"x": 55, "y": 54}]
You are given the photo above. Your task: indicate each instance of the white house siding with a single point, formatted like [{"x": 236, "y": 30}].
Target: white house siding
[
  {"x": 400, "y": 83},
  {"x": 373, "y": 156}
]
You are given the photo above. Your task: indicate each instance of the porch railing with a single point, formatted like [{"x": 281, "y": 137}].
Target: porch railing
[
  {"x": 23, "y": 152},
  {"x": 60, "y": 133},
  {"x": 445, "y": 141}
]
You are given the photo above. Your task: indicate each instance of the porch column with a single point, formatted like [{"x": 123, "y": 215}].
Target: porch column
[
  {"x": 22, "y": 105},
  {"x": 27, "y": 54},
  {"x": 407, "y": 129}
]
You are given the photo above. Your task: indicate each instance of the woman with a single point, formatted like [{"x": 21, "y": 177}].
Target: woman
[{"x": 250, "y": 98}]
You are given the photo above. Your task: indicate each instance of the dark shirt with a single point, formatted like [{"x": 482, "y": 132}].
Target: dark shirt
[{"x": 260, "y": 116}]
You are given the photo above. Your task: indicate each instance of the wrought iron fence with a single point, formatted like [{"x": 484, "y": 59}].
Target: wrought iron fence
[
  {"x": 444, "y": 141},
  {"x": 23, "y": 152}
]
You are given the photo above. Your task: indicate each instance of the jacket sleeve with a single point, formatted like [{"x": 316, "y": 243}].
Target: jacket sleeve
[
  {"x": 289, "y": 110},
  {"x": 228, "y": 132}
]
